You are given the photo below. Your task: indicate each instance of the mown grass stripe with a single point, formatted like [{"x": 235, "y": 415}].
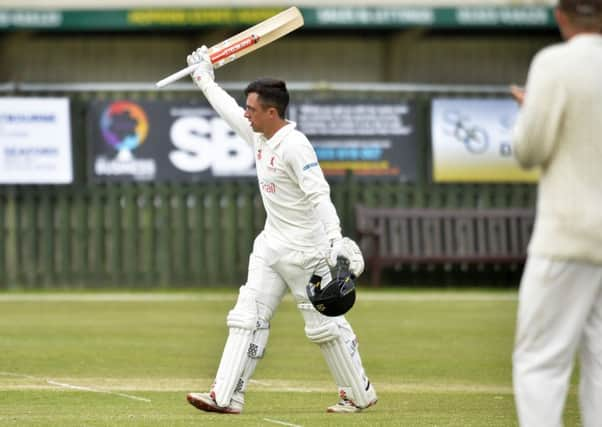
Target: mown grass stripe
[{"x": 169, "y": 297}]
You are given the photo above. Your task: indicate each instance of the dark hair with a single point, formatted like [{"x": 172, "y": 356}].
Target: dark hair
[
  {"x": 584, "y": 14},
  {"x": 271, "y": 93},
  {"x": 581, "y": 7}
]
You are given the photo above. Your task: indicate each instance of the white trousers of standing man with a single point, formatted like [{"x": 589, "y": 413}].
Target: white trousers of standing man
[{"x": 559, "y": 313}]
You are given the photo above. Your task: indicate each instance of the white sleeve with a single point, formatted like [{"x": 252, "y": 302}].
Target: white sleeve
[
  {"x": 228, "y": 109},
  {"x": 329, "y": 218},
  {"x": 535, "y": 133},
  {"x": 305, "y": 166}
]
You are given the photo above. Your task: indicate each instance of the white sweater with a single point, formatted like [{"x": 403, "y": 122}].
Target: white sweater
[
  {"x": 295, "y": 194},
  {"x": 559, "y": 129}
]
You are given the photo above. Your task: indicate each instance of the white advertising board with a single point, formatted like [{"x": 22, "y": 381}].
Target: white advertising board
[
  {"x": 35, "y": 141},
  {"x": 472, "y": 141}
]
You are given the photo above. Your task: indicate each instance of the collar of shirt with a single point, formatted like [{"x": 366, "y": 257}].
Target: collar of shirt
[
  {"x": 277, "y": 138},
  {"x": 586, "y": 38}
]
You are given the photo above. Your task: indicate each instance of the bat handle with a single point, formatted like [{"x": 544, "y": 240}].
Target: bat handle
[{"x": 176, "y": 76}]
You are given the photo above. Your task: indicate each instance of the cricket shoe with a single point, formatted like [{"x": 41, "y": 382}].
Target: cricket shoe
[
  {"x": 346, "y": 406},
  {"x": 205, "y": 402}
]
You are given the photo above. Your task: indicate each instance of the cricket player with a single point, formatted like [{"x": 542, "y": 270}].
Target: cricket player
[
  {"x": 559, "y": 129},
  {"x": 302, "y": 237}
]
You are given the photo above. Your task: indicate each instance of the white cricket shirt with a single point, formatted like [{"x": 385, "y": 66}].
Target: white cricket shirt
[
  {"x": 559, "y": 129},
  {"x": 295, "y": 194}
]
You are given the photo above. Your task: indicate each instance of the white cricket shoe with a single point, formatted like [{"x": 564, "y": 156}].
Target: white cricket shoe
[
  {"x": 346, "y": 406},
  {"x": 343, "y": 407},
  {"x": 205, "y": 402}
]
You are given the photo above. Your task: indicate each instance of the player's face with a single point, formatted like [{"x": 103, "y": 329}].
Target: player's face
[{"x": 258, "y": 115}]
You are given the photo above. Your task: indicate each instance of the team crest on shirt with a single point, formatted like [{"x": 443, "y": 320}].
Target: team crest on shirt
[{"x": 259, "y": 154}]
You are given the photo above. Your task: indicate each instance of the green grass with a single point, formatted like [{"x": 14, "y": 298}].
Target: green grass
[{"x": 436, "y": 358}]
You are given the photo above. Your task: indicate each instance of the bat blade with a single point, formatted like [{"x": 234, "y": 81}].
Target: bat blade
[{"x": 246, "y": 42}]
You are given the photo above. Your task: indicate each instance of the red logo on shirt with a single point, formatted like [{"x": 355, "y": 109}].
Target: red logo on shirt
[{"x": 268, "y": 187}]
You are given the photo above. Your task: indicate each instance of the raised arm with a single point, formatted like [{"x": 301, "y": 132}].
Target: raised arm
[{"x": 220, "y": 100}]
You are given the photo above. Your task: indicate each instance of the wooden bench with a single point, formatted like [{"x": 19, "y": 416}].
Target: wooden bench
[{"x": 422, "y": 236}]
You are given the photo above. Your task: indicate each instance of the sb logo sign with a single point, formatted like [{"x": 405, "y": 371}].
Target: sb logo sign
[{"x": 208, "y": 143}]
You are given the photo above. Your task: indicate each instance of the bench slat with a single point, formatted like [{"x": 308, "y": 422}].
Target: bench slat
[{"x": 397, "y": 236}]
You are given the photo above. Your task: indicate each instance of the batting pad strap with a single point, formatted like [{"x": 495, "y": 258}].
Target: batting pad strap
[{"x": 260, "y": 340}]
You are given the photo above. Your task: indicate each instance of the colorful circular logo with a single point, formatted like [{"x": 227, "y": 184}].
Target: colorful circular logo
[{"x": 124, "y": 125}]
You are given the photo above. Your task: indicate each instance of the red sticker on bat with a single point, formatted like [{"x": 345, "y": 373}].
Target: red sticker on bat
[{"x": 236, "y": 47}]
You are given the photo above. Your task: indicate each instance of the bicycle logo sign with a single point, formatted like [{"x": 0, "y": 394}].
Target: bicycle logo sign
[{"x": 474, "y": 138}]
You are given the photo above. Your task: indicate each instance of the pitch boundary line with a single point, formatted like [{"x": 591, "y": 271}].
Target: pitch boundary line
[
  {"x": 127, "y": 385},
  {"x": 413, "y": 388},
  {"x": 201, "y": 297},
  {"x": 74, "y": 387},
  {"x": 94, "y": 390},
  {"x": 282, "y": 423}
]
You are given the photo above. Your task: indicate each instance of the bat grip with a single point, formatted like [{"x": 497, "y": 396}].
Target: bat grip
[{"x": 176, "y": 76}]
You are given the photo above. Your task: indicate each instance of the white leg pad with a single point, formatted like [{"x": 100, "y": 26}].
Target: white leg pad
[
  {"x": 339, "y": 346},
  {"x": 255, "y": 352},
  {"x": 242, "y": 321}
]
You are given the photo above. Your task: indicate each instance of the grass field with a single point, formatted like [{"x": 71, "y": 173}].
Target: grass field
[{"x": 437, "y": 358}]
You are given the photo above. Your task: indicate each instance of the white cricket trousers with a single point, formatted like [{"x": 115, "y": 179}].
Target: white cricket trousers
[
  {"x": 559, "y": 312},
  {"x": 274, "y": 271}
]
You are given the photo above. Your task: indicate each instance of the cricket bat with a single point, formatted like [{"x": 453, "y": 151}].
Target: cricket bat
[{"x": 246, "y": 42}]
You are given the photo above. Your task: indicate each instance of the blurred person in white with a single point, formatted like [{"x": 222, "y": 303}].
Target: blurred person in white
[
  {"x": 559, "y": 130},
  {"x": 301, "y": 238}
]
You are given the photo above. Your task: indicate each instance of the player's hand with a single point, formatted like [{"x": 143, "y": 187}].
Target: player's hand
[
  {"x": 347, "y": 248},
  {"x": 336, "y": 249},
  {"x": 204, "y": 70},
  {"x": 518, "y": 93}
]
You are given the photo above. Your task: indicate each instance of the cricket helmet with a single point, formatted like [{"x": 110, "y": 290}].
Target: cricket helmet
[{"x": 338, "y": 296}]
